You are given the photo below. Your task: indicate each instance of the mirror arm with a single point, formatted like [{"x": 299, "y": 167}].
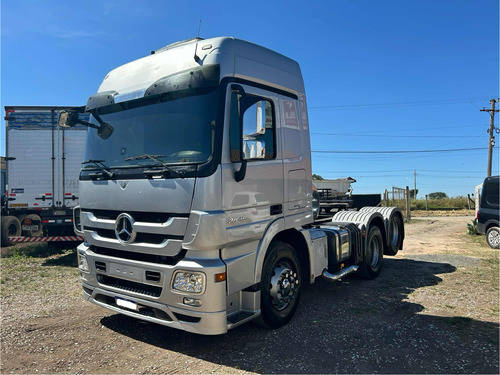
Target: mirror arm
[
  {"x": 90, "y": 125},
  {"x": 240, "y": 175}
]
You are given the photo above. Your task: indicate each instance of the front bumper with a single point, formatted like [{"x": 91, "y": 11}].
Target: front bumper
[{"x": 110, "y": 279}]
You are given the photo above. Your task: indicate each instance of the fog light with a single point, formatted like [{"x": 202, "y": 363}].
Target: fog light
[
  {"x": 83, "y": 265},
  {"x": 192, "y": 301},
  {"x": 190, "y": 282}
]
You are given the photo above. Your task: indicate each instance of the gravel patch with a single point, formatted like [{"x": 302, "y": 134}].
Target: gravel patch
[{"x": 433, "y": 309}]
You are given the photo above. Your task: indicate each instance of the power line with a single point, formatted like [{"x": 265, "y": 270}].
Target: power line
[
  {"x": 399, "y": 151},
  {"x": 395, "y": 104},
  {"x": 396, "y": 136},
  {"x": 401, "y": 170},
  {"x": 379, "y": 131}
]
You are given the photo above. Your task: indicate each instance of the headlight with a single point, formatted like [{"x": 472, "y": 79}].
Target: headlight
[
  {"x": 83, "y": 265},
  {"x": 190, "y": 282}
]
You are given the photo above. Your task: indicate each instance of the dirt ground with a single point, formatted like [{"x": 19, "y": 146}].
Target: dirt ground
[{"x": 433, "y": 309}]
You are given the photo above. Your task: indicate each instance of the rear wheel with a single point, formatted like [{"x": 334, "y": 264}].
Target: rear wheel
[
  {"x": 374, "y": 253},
  {"x": 34, "y": 223},
  {"x": 395, "y": 234},
  {"x": 280, "y": 285},
  {"x": 493, "y": 237},
  {"x": 10, "y": 227}
]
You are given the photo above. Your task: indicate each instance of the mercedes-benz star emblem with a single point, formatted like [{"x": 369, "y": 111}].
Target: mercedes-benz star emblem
[{"x": 124, "y": 228}]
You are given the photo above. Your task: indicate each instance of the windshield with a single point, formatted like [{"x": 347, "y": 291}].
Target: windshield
[{"x": 176, "y": 132}]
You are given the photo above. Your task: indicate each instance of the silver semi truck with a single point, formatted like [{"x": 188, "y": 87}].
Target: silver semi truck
[
  {"x": 40, "y": 185},
  {"x": 196, "y": 201}
]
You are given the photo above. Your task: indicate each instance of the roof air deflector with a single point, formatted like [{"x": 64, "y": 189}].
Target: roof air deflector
[{"x": 177, "y": 44}]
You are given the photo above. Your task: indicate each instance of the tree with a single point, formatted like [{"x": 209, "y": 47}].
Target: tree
[
  {"x": 438, "y": 195},
  {"x": 317, "y": 177},
  {"x": 412, "y": 193}
]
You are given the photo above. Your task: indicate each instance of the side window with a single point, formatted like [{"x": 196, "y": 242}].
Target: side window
[{"x": 252, "y": 132}]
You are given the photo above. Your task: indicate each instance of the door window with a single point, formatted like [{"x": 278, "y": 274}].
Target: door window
[{"x": 252, "y": 130}]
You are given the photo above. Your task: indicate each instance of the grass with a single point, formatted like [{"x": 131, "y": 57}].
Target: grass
[
  {"x": 454, "y": 203},
  {"x": 36, "y": 269},
  {"x": 445, "y": 203}
]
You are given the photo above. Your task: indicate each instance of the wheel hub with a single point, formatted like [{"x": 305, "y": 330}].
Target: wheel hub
[
  {"x": 494, "y": 238},
  {"x": 283, "y": 286}
]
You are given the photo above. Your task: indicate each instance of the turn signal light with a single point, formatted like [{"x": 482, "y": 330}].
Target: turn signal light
[{"x": 220, "y": 277}]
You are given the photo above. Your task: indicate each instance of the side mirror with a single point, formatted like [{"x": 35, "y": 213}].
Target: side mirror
[
  {"x": 105, "y": 130},
  {"x": 67, "y": 119}
]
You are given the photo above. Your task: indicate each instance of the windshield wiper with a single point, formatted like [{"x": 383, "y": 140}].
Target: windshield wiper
[
  {"x": 163, "y": 172},
  {"x": 99, "y": 164}
]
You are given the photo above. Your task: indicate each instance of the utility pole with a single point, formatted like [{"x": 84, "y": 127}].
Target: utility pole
[
  {"x": 415, "y": 186},
  {"x": 491, "y": 132}
]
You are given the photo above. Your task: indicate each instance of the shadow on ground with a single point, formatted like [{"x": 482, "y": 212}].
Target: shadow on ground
[{"x": 353, "y": 326}]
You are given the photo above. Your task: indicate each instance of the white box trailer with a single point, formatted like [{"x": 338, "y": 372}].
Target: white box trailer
[{"x": 43, "y": 164}]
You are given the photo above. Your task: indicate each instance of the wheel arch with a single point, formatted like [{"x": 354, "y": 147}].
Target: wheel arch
[
  {"x": 296, "y": 239},
  {"x": 489, "y": 224},
  {"x": 276, "y": 232}
]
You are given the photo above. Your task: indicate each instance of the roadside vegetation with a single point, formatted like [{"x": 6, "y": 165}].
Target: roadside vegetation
[
  {"x": 447, "y": 203},
  {"x": 32, "y": 269}
]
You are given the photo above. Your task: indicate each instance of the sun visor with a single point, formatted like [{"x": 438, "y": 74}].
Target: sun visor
[
  {"x": 197, "y": 78},
  {"x": 100, "y": 99}
]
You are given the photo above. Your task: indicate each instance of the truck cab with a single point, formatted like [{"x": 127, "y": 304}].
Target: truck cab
[{"x": 196, "y": 190}]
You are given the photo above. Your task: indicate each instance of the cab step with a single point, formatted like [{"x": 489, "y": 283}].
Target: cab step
[{"x": 241, "y": 317}]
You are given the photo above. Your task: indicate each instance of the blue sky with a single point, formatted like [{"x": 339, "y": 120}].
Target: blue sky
[{"x": 379, "y": 75}]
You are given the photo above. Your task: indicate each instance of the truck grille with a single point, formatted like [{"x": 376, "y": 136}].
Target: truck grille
[
  {"x": 148, "y": 217},
  {"x": 150, "y": 238},
  {"x": 158, "y": 236},
  {"x": 149, "y": 258},
  {"x": 130, "y": 286}
]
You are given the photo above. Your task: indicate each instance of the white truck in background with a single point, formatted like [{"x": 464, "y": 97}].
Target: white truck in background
[
  {"x": 196, "y": 199},
  {"x": 43, "y": 162}
]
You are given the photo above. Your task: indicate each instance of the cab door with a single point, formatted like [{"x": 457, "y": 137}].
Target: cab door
[
  {"x": 253, "y": 179},
  {"x": 252, "y": 172}
]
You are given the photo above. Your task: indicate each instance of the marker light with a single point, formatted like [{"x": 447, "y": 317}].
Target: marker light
[{"x": 220, "y": 277}]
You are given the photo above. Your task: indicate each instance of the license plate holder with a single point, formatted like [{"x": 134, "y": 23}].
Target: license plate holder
[{"x": 128, "y": 304}]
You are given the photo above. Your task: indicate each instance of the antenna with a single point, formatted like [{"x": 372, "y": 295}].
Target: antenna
[{"x": 196, "y": 58}]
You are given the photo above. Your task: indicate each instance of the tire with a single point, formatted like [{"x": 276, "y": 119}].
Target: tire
[
  {"x": 374, "y": 253},
  {"x": 281, "y": 285},
  {"x": 33, "y": 233},
  {"x": 493, "y": 237},
  {"x": 10, "y": 227},
  {"x": 395, "y": 235}
]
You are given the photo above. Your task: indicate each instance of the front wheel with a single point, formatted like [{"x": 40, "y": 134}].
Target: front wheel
[
  {"x": 493, "y": 237},
  {"x": 280, "y": 286}
]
